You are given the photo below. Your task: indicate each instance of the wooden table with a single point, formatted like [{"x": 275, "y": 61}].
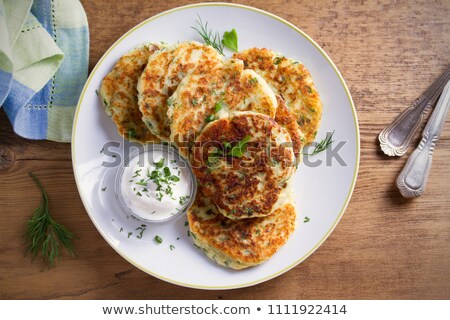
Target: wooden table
[{"x": 385, "y": 247}]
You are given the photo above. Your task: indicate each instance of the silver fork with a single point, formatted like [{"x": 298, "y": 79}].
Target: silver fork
[
  {"x": 413, "y": 178},
  {"x": 396, "y": 137}
]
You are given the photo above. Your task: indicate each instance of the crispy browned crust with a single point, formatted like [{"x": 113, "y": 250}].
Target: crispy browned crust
[
  {"x": 119, "y": 94},
  {"x": 211, "y": 83},
  {"x": 161, "y": 77},
  {"x": 243, "y": 243},
  {"x": 292, "y": 81},
  {"x": 247, "y": 186}
]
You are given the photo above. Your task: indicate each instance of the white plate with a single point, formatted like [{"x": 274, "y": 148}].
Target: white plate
[{"x": 322, "y": 192}]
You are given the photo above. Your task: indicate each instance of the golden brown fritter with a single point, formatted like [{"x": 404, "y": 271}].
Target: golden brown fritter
[
  {"x": 119, "y": 94},
  {"x": 292, "y": 81},
  {"x": 242, "y": 163},
  {"x": 161, "y": 77},
  {"x": 243, "y": 243},
  {"x": 212, "y": 91}
]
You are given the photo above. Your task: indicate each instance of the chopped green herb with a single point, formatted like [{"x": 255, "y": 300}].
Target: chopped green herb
[
  {"x": 277, "y": 60},
  {"x": 103, "y": 189},
  {"x": 101, "y": 151},
  {"x": 183, "y": 199},
  {"x": 141, "y": 183},
  {"x": 210, "y": 118},
  {"x": 169, "y": 190},
  {"x": 174, "y": 178},
  {"x": 137, "y": 173},
  {"x": 239, "y": 149},
  {"x": 253, "y": 80},
  {"x": 169, "y": 101},
  {"x": 138, "y": 194},
  {"x": 218, "y": 106},
  {"x": 166, "y": 172},
  {"x": 158, "y": 239},
  {"x": 171, "y": 247},
  {"x": 306, "y": 220},
  {"x": 121, "y": 229},
  {"x": 248, "y": 210},
  {"x": 129, "y": 234},
  {"x": 159, "y": 164},
  {"x": 194, "y": 102}
]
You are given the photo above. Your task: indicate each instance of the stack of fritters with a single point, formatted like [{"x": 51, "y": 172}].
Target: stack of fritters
[{"x": 241, "y": 122}]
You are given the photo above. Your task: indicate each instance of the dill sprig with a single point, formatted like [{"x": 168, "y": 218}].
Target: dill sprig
[
  {"x": 322, "y": 145},
  {"x": 44, "y": 234},
  {"x": 210, "y": 39}
]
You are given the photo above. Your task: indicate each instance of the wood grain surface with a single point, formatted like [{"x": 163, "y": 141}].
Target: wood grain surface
[{"x": 385, "y": 247}]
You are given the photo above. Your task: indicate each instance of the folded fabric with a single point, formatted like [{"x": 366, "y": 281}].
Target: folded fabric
[{"x": 43, "y": 65}]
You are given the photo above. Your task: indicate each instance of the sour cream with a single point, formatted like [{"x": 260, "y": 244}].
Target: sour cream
[{"x": 156, "y": 185}]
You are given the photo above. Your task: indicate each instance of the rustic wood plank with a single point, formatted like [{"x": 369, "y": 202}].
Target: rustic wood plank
[{"x": 385, "y": 246}]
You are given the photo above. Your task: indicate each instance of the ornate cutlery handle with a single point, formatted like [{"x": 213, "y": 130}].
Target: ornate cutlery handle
[
  {"x": 413, "y": 178},
  {"x": 396, "y": 137}
]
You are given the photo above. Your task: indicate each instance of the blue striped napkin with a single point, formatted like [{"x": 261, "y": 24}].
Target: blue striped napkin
[{"x": 44, "y": 52}]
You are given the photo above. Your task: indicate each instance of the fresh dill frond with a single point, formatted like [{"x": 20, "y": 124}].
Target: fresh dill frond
[
  {"x": 44, "y": 235},
  {"x": 322, "y": 145},
  {"x": 210, "y": 39}
]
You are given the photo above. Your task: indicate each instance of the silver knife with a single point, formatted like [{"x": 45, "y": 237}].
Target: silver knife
[
  {"x": 413, "y": 178},
  {"x": 396, "y": 137}
]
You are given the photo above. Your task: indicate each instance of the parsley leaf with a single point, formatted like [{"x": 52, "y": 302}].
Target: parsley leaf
[
  {"x": 230, "y": 40},
  {"x": 239, "y": 149}
]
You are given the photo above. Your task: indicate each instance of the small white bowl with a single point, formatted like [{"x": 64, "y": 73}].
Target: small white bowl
[{"x": 168, "y": 152}]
